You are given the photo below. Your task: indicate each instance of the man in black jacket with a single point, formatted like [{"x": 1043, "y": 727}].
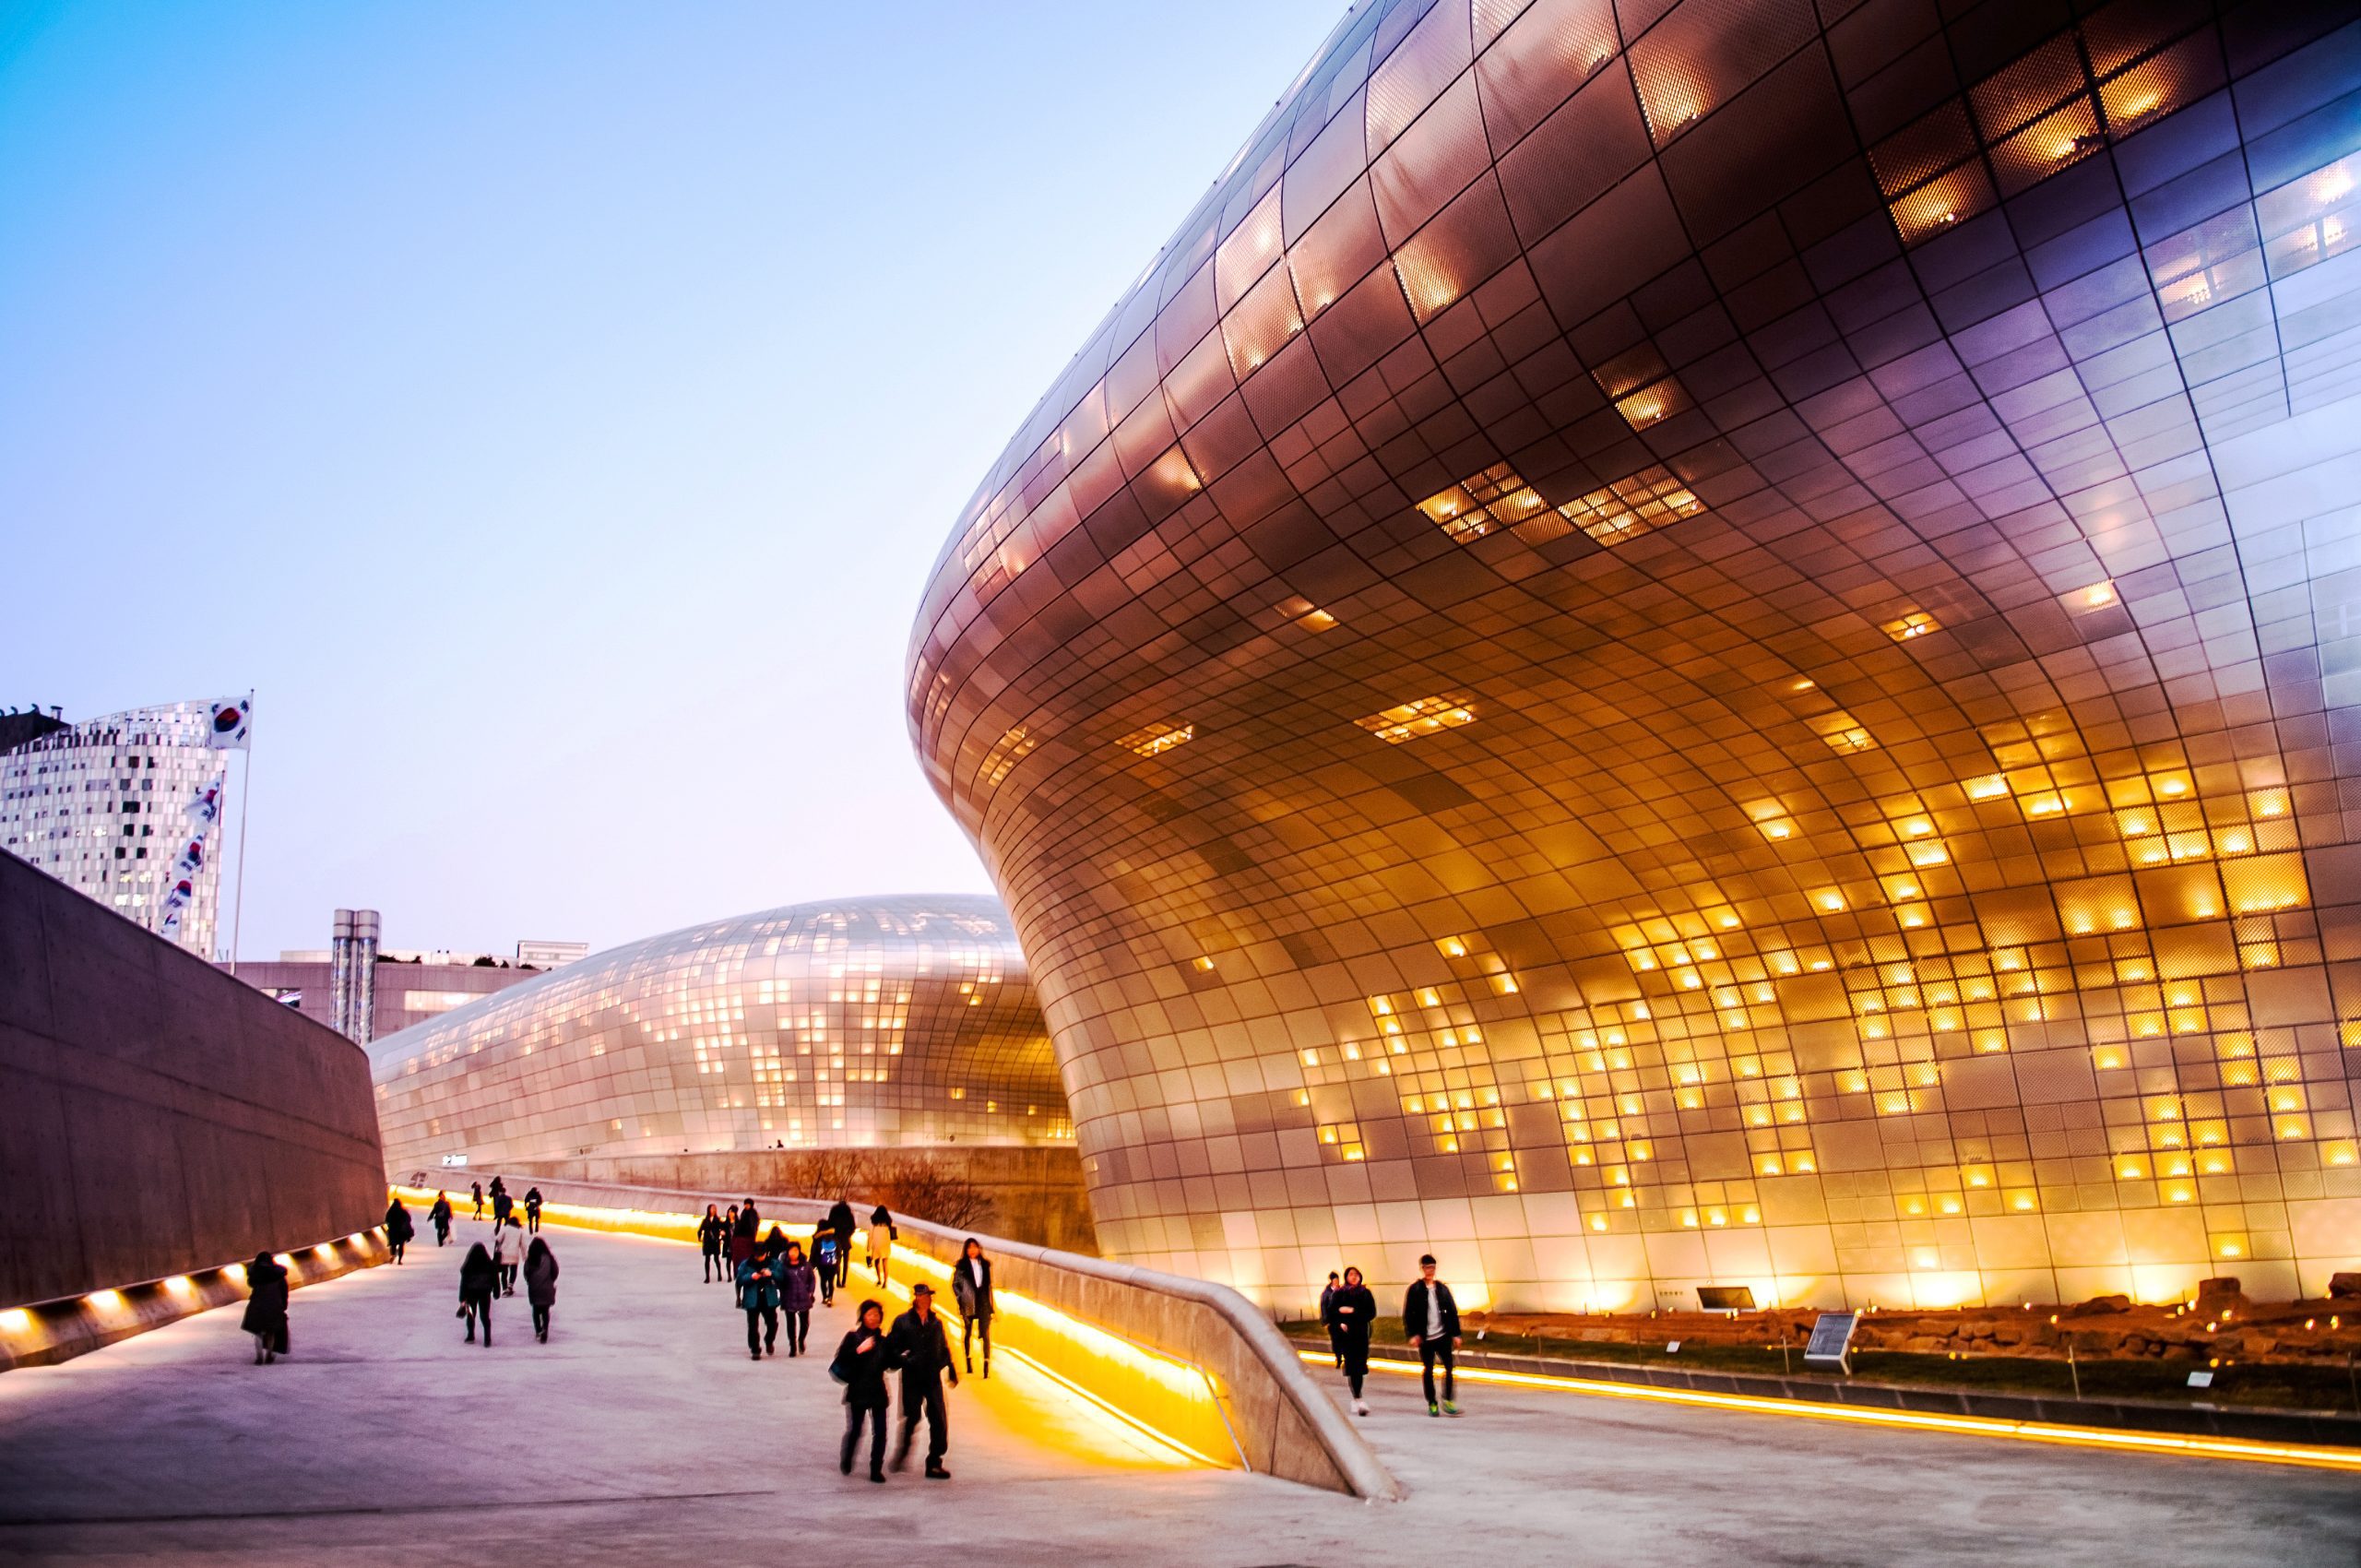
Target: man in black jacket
[
  {"x": 923, "y": 1350},
  {"x": 1431, "y": 1320}
]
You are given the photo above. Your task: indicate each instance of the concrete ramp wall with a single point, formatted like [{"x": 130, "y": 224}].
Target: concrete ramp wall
[{"x": 158, "y": 1118}]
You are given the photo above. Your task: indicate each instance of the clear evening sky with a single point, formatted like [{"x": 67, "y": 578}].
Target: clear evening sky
[{"x": 553, "y": 411}]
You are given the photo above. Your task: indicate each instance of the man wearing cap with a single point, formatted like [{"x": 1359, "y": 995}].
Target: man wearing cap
[
  {"x": 920, "y": 1347},
  {"x": 1431, "y": 1320}
]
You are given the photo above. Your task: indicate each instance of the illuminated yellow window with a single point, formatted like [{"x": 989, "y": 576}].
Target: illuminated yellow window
[
  {"x": 1410, "y": 720},
  {"x": 1149, "y": 740},
  {"x": 1917, "y": 623}
]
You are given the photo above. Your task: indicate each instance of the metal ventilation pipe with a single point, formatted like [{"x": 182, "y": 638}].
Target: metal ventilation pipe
[
  {"x": 340, "y": 974},
  {"x": 365, "y": 978}
]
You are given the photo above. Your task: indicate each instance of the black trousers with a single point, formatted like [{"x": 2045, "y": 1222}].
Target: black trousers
[
  {"x": 768, "y": 1318},
  {"x": 1430, "y": 1352},
  {"x": 853, "y": 1414},
  {"x": 397, "y": 1247},
  {"x": 714, "y": 1269},
  {"x": 533, "y": 1220},
  {"x": 976, "y": 1327},
  {"x": 442, "y": 1232},
  {"x": 924, "y": 1397},
  {"x": 798, "y": 1330},
  {"x": 1336, "y": 1344},
  {"x": 1353, "y": 1353},
  {"x": 479, "y": 1307},
  {"x": 828, "y": 1273},
  {"x": 541, "y": 1321},
  {"x": 508, "y": 1280}
]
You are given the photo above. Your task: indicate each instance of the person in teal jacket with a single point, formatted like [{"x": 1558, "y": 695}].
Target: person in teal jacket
[{"x": 758, "y": 1294}]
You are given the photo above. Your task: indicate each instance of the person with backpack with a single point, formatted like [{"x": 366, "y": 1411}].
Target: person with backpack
[
  {"x": 441, "y": 1215},
  {"x": 1328, "y": 1319},
  {"x": 758, "y": 1294},
  {"x": 710, "y": 1230},
  {"x": 824, "y": 1259},
  {"x": 923, "y": 1350},
  {"x": 507, "y": 1252},
  {"x": 479, "y": 1283},
  {"x": 1431, "y": 1320},
  {"x": 796, "y": 1287},
  {"x": 265, "y": 1316},
  {"x": 863, "y": 1357},
  {"x": 398, "y": 1228},
  {"x": 1354, "y": 1311},
  {"x": 533, "y": 1210},
  {"x": 881, "y": 1242},
  {"x": 971, "y": 1286},
  {"x": 541, "y": 1286}
]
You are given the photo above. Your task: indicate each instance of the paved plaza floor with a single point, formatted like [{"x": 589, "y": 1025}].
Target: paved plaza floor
[{"x": 641, "y": 1433}]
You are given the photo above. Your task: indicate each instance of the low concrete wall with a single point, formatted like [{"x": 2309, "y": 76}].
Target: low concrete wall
[
  {"x": 44, "y": 1332},
  {"x": 1038, "y": 1195},
  {"x": 1134, "y": 1339},
  {"x": 157, "y": 1117}
]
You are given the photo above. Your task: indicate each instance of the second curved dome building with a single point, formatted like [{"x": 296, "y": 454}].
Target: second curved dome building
[{"x": 863, "y": 1023}]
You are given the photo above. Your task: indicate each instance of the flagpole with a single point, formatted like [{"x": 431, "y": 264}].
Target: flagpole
[{"x": 238, "y": 916}]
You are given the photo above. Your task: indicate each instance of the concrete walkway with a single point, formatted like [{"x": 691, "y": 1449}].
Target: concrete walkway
[{"x": 643, "y": 1434}]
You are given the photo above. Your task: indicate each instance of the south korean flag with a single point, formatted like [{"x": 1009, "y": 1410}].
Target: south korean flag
[
  {"x": 205, "y": 809},
  {"x": 191, "y": 860},
  {"x": 233, "y": 724}
]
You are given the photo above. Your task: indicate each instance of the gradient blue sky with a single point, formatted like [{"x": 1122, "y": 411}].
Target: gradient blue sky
[{"x": 553, "y": 411}]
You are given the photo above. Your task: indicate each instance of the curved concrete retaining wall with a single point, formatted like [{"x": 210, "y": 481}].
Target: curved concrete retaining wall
[
  {"x": 158, "y": 1117},
  {"x": 41, "y": 1332},
  {"x": 1136, "y": 1340}
]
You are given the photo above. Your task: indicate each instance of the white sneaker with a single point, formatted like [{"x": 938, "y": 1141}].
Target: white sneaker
[{"x": 1361, "y": 1407}]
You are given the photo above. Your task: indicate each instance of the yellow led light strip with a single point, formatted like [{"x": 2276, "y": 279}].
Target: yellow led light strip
[{"x": 2316, "y": 1455}]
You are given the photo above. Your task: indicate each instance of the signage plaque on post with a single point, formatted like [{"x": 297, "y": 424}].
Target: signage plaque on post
[{"x": 1831, "y": 1342}]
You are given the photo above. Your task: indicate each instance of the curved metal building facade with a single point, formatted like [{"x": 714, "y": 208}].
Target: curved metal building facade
[
  {"x": 1707, "y": 642},
  {"x": 861, "y": 1023}
]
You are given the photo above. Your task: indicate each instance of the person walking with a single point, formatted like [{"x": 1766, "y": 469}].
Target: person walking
[
  {"x": 503, "y": 1205},
  {"x": 479, "y": 1186},
  {"x": 824, "y": 1255},
  {"x": 398, "y": 1228},
  {"x": 533, "y": 1210},
  {"x": 841, "y": 1223},
  {"x": 710, "y": 1230},
  {"x": 265, "y": 1316},
  {"x": 479, "y": 1283},
  {"x": 881, "y": 1242},
  {"x": 1355, "y": 1315},
  {"x": 971, "y": 1286},
  {"x": 741, "y": 1239},
  {"x": 862, "y": 1360},
  {"x": 507, "y": 1252},
  {"x": 1328, "y": 1319},
  {"x": 441, "y": 1215},
  {"x": 758, "y": 1294},
  {"x": 796, "y": 1287},
  {"x": 923, "y": 1350},
  {"x": 1431, "y": 1320},
  {"x": 540, "y": 1285}
]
